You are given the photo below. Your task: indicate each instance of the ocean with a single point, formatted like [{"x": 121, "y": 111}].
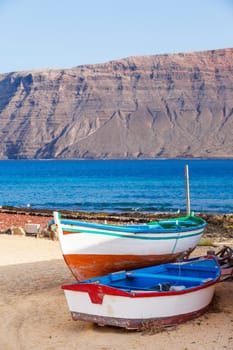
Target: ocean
[{"x": 151, "y": 186}]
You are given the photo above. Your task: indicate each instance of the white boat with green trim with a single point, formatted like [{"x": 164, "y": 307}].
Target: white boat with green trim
[{"x": 93, "y": 249}]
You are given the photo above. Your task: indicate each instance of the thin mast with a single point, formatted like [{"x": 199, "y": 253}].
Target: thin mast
[{"x": 187, "y": 190}]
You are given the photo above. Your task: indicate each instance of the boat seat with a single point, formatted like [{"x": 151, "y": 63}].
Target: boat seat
[{"x": 168, "y": 277}]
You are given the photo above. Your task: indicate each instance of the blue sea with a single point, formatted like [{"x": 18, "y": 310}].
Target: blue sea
[{"x": 117, "y": 185}]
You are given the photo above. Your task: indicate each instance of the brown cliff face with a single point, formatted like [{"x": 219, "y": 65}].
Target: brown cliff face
[{"x": 169, "y": 106}]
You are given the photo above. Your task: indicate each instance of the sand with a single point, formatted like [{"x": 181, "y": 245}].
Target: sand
[{"x": 34, "y": 314}]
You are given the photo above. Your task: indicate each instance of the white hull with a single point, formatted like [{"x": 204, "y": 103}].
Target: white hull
[
  {"x": 136, "y": 312},
  {"x": 95, "y": 250},
  {"x": 147, "y": 244}
]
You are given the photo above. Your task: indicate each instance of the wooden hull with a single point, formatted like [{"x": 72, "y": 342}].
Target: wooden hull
[
  {"x": 84, "y": 266},
  {"x": 94, "y": 250},
  {"x": 136, "y": 309},
  {"x": 143, "y": 312}
]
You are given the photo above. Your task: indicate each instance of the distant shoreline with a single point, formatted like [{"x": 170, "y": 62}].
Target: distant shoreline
[
  {"x": 132, "y": 215},
  {"x": 217, "y": 224}
]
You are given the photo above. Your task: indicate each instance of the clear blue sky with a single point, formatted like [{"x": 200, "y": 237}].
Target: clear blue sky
[{"x": 39, "y": 34}]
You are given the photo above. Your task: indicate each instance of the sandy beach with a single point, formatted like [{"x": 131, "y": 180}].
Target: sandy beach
[{"x": 34, "y": 314}]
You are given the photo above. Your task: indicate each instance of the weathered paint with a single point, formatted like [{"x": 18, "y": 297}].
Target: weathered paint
[
  {"x": 84, "y": 266},
  {"x": 140, "y": 310},
  {"x": 138, "y": 324}
]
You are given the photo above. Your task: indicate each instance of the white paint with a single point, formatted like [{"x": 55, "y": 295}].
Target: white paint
[{"x": 140, "y": 308}]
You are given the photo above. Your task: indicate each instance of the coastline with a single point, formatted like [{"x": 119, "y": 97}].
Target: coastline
[
  {"x": 36, "y": 315},
  {"x": 217, "y": 224}
]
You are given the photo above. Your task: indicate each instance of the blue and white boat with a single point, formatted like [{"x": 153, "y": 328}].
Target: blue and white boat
[{"x": 165, "y": 294}]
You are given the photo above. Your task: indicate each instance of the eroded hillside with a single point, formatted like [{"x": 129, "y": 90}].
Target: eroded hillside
[{"x": 178, "y": 105}]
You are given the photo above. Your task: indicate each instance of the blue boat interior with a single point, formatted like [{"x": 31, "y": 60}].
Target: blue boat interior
[{"x": 168, "y": 277}]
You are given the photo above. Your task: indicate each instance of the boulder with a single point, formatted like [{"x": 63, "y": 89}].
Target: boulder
[
  {"x": 48, "y": 232},
  {"x": 17, "y": 231}
]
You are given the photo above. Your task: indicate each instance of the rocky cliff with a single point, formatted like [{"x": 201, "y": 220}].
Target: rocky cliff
[{"x": 178, "y": 105}]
